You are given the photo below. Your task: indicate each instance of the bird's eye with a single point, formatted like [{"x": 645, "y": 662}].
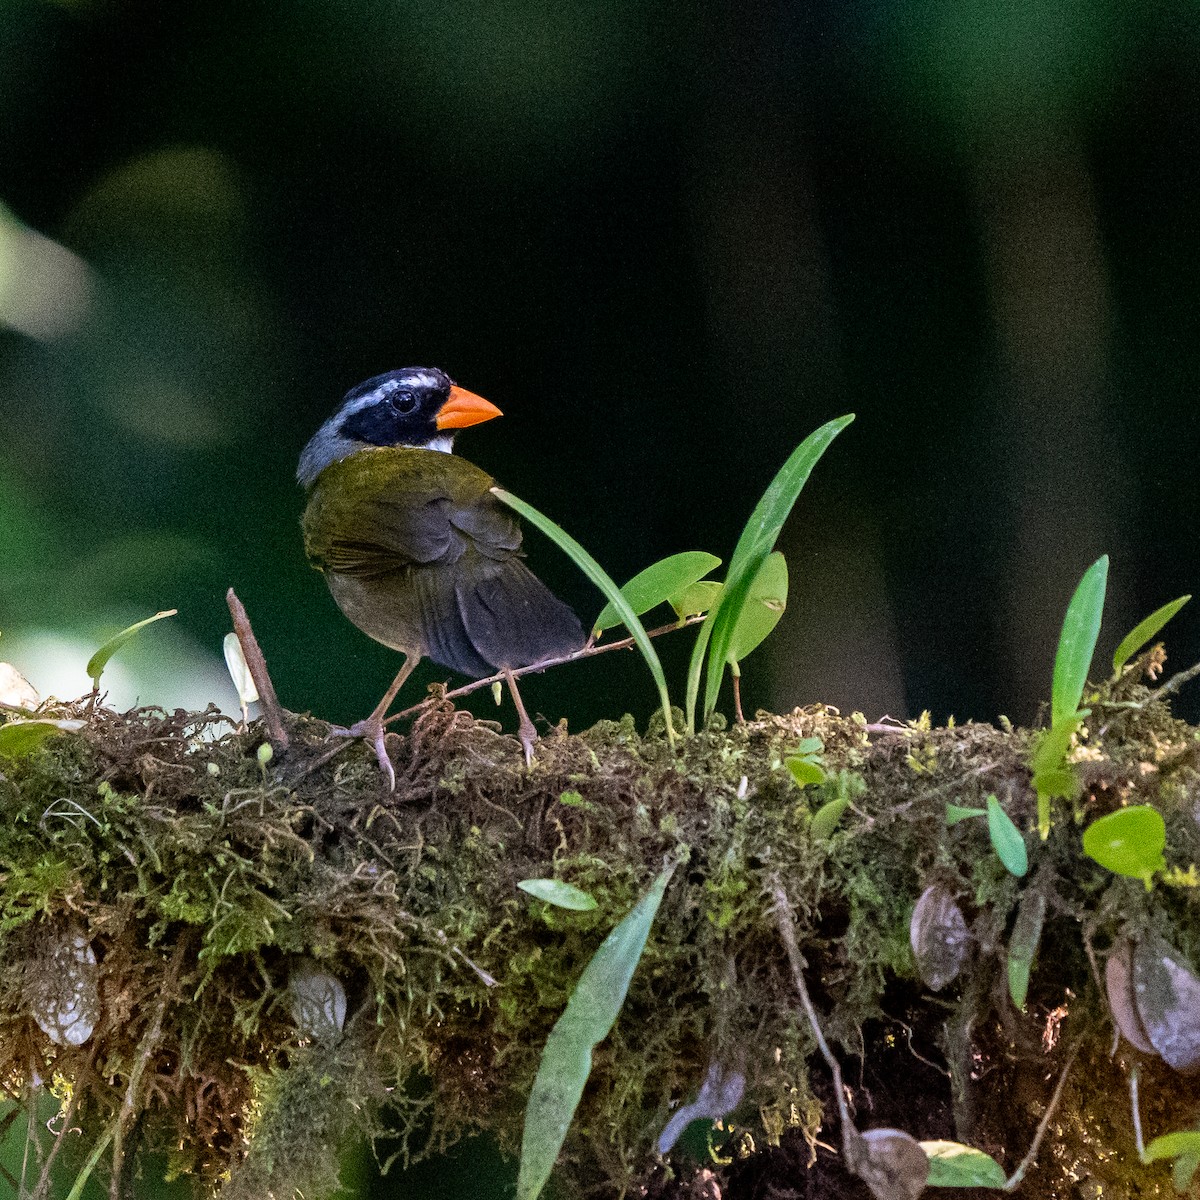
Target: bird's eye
[{"x": 402, "y": 402}]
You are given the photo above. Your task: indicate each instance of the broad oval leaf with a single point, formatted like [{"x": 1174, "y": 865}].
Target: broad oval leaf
[
  {"x": 1118, "y": 983},
  {"x": 1128, "y": 842},
  {"x": 1167, "y": 992},
  {"x": 658, "y": 583},
  {"x": 951, "y": 1164},
  {"x": 696, "y": 599},
  {"x": 764, "y": 605},
  {"x": 1171, "y": 1145},
  {"x": 1006, "y": 839},
  {"x": 825, "y": 819},
  {"x": 1077, "y": 641},
  {"x": 559, "y": 893},
  {"x": 566, "y": 1059},
  {"x": 757, "y": 540},
  {"x": 600, "y": 577},
  {"x": 892, "y": 1164},
  {"x": 939, "y": 937},
  {"x": 19, "y": 738},
  {"x": 99, "y": 660},
  {"x": 804, "y": 771},
  {"x": 1022, "y": 946},
  {"x": 1142, "y": 632}
]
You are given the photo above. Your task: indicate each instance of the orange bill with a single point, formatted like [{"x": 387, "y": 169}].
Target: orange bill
[{"x": 464, "y": 408}]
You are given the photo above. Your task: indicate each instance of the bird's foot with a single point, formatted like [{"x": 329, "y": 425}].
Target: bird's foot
[
  {"x": 528, "y": 737},
  {"x": 372, "y": 730}
]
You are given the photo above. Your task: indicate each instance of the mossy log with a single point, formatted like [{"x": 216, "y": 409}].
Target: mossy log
[{"x": 163, "y": 880}]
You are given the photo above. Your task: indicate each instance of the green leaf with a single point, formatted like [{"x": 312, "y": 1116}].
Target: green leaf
[
  {"x": 951, "y": 1164},
  {"x": 1184, "y": 1170},
  {"x": 658, "y": 583},
  {"x": 1050, "y": 754},
  {"x": 99, "y": 660},
  {"x": 19, "y": 738},
  {"x": 826, "y": 817},
  {"x": 765, "y": 603},
  {"x": 566, "y": 1061},
  {"x": 696, "y": 600},
  {"x": 756, "y": 542},
  {"x": 956, "y": 813},
  {"x": 1022, "y": 946},
  {"x": 558, "y": 893},
  {"x": 804, "y": 771},
  {"x": 1141, "y": 633},
  {"x": 596, "y": 573},
  {"x": 808, "y": 746},
  {"x": 1077, "y": 642},
  {"x": 1006, "y": 839},
  {"x": 1171, "y": 1145},
  {"x": 1128, "y": 842}
]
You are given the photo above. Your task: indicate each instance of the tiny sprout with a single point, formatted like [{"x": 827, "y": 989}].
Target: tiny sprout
[
  {"x": 213, "y": 769},
  {"x": 498, "y": 693},
  {"x": 264, "y": 754}
]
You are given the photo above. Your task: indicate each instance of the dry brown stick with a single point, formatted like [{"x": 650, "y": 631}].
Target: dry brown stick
[
  {"x": 258, "y": 670},
  {"x": 588, "y": 651},
  {"x": 1173, "y": 684},
  {"x": 1019, "y": 1174}
]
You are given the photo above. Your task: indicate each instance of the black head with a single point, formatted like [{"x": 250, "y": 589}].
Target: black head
[
  {"x": 398, "y": 408},
  {"x": 414, "y": 406}
]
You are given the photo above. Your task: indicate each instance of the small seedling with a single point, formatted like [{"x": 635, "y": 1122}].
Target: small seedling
[
  {"x": 99, "y": 660},
  {"x": 1141, "y": 633}
]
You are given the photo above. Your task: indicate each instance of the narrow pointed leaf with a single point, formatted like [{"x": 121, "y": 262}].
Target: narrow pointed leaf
[
  {"x": 597, "y": 574},
  {"x": 951, "y": 1164},
  {"x": 765, "y": 603},
  {"x": 559, "y": 893},
  {"x": 658, "y": 583},
  {"x": 1141, "y": 633},
  {"x": 756, "y": 542},
  {"x": 566, "y": 1061},
  {"x": 1006, "y": 839},
  {"x": 99, "y": 660},
  {"x": 1077, "y": 642},
  {"x": 956, "y": 813},
  {"x": 1022, "y": 946}
]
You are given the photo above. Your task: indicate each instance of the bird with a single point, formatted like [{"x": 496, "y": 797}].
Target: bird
[{"x": 416, "y": 549}]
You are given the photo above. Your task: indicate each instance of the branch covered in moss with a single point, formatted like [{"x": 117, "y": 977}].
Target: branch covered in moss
[{"x": 188, "y": 882}]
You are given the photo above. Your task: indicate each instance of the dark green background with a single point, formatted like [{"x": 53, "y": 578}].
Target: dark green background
[{"x": 668, "y": 239}]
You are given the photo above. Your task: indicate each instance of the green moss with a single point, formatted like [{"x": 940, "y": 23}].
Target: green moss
[{"x": 201, "y": 879}]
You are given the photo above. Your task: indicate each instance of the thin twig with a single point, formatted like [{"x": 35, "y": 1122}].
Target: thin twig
[
  {"x": 150, "y": 1043},
  {"x": 588, "y": 651},
  {"x": 1015, "y": 1178},
  {"x": 787, "y": 932},
  {"x": 258, "y": 670},
  {"x": 1173, "y": 684}
]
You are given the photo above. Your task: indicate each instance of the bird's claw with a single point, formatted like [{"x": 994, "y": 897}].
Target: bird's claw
[{"x": 371, "y": 730}]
